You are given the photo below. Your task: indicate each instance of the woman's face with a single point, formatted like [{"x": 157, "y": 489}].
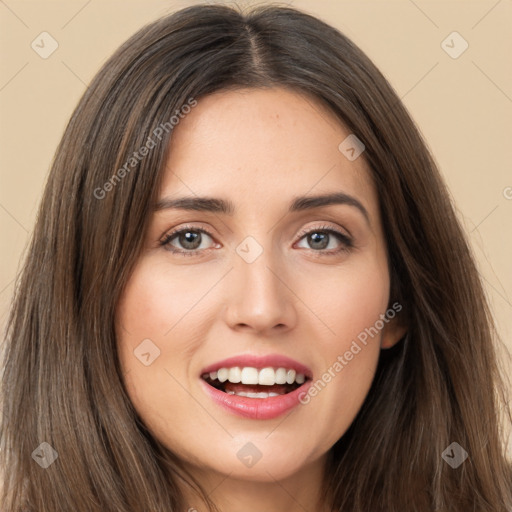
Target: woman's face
[{"x": 272, "y": 277}]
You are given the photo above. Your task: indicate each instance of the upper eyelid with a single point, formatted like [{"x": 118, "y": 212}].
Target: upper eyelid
[
  {"x": 174, "y": 232},
  {"x": 325, "y": 227},
  {"x": 300, "y": 233}
]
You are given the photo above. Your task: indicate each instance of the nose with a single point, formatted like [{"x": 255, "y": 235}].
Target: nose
[{"x": 260, "y": 298}]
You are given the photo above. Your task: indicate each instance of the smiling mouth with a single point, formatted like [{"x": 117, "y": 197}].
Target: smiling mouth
[{"x": 253, "y": 390}]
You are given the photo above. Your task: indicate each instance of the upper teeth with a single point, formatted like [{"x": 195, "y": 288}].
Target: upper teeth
[{"x": 266, "y": 376}]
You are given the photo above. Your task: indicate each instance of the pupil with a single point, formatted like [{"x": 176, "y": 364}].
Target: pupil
[
  {"x": 190, "y": 244},
  {"x": 322, "y": 237}
]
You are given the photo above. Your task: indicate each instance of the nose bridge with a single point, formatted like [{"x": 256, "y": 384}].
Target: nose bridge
[{"x": 259, "y": 298}]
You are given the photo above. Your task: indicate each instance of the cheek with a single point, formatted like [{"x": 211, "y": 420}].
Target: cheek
[
  {"x": 348, "y": 300},
  {"x": 150, "y": 305},
  {"x": 149, "y": 328},
  {"x": 152, "y": 344},
  {"x": 161, "y": 305},
  {"x": 350, "y": 304}
]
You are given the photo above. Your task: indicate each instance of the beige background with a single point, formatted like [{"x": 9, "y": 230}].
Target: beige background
[{"x": 463, "y": 106}]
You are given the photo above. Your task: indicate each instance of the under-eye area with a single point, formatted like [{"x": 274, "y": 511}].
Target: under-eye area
[{"x": 256, "y": 383}]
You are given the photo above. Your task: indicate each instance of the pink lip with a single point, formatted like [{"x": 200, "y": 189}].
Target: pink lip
[
  {"x": 271, "y": 360},
  {"x": 258, "y": 408}
]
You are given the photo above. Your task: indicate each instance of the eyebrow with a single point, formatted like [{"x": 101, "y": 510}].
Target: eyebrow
[{"x": 301, "y": 203}]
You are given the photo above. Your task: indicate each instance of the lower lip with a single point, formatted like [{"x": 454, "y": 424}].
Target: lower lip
[{"x": 257, "y": 408}]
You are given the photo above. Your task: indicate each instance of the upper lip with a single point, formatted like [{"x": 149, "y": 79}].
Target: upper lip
[{"x": 259, "y": 362}]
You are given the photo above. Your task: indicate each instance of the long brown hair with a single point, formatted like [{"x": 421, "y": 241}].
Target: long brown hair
[{"x": 62, "y": 382}]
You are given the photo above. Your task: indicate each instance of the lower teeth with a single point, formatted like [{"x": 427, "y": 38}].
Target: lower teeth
[
  {"x": 249, "y": 394},
  {"x": 253, "y": 395}
]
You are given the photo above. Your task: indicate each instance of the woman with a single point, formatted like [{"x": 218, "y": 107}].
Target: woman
[{"x": 247, "y": 289}]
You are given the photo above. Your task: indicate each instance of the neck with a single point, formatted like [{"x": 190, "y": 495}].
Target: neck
[{"x": 295, "y": 493}]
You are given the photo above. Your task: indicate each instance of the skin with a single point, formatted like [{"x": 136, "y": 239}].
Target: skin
[{"x": 259, "y": 149}]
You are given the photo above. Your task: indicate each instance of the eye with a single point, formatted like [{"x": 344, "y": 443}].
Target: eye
[
  {"x": 189, "y": 238},
  {"x": 325, "y": 237},
  {"x": 189, "y": 241}
]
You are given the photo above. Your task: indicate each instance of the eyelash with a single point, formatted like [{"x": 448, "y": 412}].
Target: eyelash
[{"x": 347, "y": 243}]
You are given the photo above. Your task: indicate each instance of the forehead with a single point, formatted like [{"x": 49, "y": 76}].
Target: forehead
[{"x": 263, "y": 145}]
